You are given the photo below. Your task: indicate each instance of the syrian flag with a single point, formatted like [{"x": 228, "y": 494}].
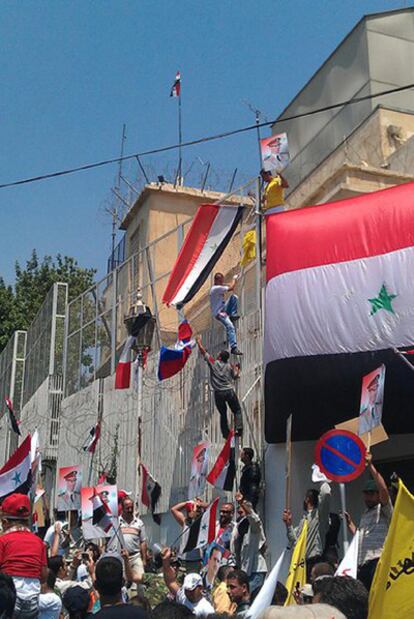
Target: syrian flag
[
  {"x": 211, "y": 230},
  {"x": 339, "y": 301},
  {"x": 151, "y": 492},
  {"x": 176, "y": 87},
  {"x": 101, "y": 512},
  {"x": 16, "y": 474},
  {"x": 172, "y": 360},
  {"x": 349, "y": 564},
  {"x": 93, "y": 438},
  {"x": 123, "y": 369},
  {"x": 14, "y": 424},
  {"x": 224, "y": 470},
  {"x": 202, "y": 531}
]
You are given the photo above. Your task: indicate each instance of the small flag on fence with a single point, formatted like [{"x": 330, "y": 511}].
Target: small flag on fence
[
  {"x": 151, "y": 492},
  {"x": 176, "y": 87},
  {"x": 14, "y": 424},
  {"x": 172, "y": 360},
  {"x": 93, "y": 438},
  {"x": 224, "y": 470}
]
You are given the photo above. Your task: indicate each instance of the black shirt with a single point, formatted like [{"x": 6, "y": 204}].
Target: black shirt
[{"x": 122, "y": 611}]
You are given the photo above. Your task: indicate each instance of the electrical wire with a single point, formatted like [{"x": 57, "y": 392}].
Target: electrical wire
[{"x": 211, "y": 138}]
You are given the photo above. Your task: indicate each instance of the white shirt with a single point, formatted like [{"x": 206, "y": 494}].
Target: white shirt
[
  {"x": 203, "y": 608},
  {"x": 48, "y": 539},
  {"x": 26, "y": 588},
  {"x": 50, "y": 606},
  {"x": 134, "y": 534},
  {"x": 217, "y": 301}
]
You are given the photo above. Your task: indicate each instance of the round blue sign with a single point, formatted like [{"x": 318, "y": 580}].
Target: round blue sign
[{"x": 340, "y": 455}]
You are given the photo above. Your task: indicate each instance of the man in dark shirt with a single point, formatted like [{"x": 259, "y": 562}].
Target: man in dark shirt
[
  {"x": 250, "y": 477},
  {"x": 222, "y": 377},
  {"x": 239, "y": 592},
  {"x": 108, "y": 583}
]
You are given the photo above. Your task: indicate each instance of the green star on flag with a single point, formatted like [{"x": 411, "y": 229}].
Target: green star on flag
[{"x": 382, "y": 301}]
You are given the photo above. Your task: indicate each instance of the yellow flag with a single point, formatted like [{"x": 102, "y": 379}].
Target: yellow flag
[
  {"x": 297, "y": 569},
  {"x": 391, "y": 595},
  {"x": 249, "y": 248}
]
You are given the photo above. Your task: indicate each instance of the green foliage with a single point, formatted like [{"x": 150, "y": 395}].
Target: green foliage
[{"x": 19, "y": 307}]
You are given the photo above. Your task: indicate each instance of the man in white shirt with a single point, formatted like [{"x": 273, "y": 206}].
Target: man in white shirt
[
  {"x": 225, "y": 311},
  {"x": 191, "y": 593},
  {"x": 133, "y": 533}
]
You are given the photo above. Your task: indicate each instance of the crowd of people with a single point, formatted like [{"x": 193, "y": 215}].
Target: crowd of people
[{"x": 62, "y": 575}]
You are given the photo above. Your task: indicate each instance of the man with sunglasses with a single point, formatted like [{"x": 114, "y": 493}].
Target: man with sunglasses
[{"x": 225, "y": 526}]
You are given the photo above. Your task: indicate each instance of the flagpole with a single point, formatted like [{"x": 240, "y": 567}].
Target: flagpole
[
  {"x": 180, "y": 139},
  {"x": 401, "y": 356}
]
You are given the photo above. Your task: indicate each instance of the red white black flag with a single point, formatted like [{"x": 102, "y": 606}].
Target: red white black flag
[
  {"x": 223, "y": 473},
  {"x": 101, "y": 512},
  {"x": 14, "y": 425},
  {"x": 93, "y": 438},
  {"x": 151, "y": 491},
  {"x": 123, "y": 369},
  {"x": 202, "y": 531},
  {"x": 176, "y": 87}
]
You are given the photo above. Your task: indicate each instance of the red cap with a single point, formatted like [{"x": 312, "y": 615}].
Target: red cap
[{"x": 16, "y": 506}]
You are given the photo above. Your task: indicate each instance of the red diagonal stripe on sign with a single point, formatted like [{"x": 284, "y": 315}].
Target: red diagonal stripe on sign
[{"x": 340, "y": 455}]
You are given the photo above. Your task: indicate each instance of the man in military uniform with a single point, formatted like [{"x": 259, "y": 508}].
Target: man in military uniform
[
  {"x": 370, "y": 416},
  {"x": 69, "y": 497}
]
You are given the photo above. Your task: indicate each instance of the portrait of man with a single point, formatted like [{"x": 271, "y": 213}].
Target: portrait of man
[
  {"x": 372, "y": 396},
  {"x": 69, "y": 486},
  {"x": 199, "y": 466}
]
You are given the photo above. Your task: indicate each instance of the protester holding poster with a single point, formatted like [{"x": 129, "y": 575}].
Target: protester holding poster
[
  {"x": 68, "y": 488},
  {"x": 274, "y": 192},
  {"x": 372, "y": 395},
  {"x": 199, "y": 466}
]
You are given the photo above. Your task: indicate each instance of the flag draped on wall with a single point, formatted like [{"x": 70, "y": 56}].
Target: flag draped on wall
[
  {"x": 202, "y": 531},
  {"x": 339, "y": 298},
  {"x": 16, "y": 474},
  {"x": 211, "y": 230},
  {"x": 223, "y": 473},
  {"x": 297, "y": 569},
  {"x": 172, "y": 360},
  {"x": 391, "y": 594}
]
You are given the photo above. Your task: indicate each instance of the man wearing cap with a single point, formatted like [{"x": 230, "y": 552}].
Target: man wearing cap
[
  {"x": 191, "y": 593},
  {"x": 22, "y": 555},
  {"x": 69, "y": 497},
  {"x": 374, "y": 523}
]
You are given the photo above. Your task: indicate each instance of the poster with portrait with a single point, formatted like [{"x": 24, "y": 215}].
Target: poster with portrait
[
  {"x": 199, "y": 470},
  {"x": 99, "y": 511},
  {"x": 372, "y": 396},
  {"x": 275, "y": 152},
  {"x": 69, "y": 484}
]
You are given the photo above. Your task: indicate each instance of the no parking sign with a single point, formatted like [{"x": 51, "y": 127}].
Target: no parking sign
[{"x": 340, "y": 455}]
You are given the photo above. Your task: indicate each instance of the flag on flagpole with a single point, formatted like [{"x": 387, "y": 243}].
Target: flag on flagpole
[
  {"x": 151, "y": 491},
  {"x": 14, "y": 424},
  {"x": 249, "y": 248},
  {"x": 265, "y": 596},
  {"x": 210, "y": 232},
  {"x": 202, "y": 531},
  {"x": 101, "y": 512},
  {"x": 123, "y": 369},
  {"x": 176, "y": 87},
  {"x": 223, "y": 473},
  {"x": 338, "y": 302},
  {"x": 35, "y": 455},
  {"x": 172, "y": 360},
  {"x": 16, "y": 474},
  {"x": 297, "y": 569},
  {"x": 349, "y": 564},
  {"x": 391, "y": 594},
  {"x": 92, "y": 439}
]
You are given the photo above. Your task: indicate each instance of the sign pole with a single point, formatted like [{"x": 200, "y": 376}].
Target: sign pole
[
  {"x": 343, "y": 507},
  {"x": 288, "y": 465}
]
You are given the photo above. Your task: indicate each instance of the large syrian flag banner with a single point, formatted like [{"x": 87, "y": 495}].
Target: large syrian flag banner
[
  {"x": 339, "y": 299},
  {"x": 202, "y": 531},
  {"x": 16, "y": 474},
  {"x": 211, "y": 230},
  {"x": 223, "y": 473}
]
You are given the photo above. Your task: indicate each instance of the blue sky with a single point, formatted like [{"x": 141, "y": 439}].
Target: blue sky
[{"x": 73, "y": 71}]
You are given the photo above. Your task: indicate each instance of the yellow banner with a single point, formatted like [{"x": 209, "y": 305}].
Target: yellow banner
[
  {"x": 296, "y": 577},
  {"x": 249, "y": 248},
  {"x": 391, "y": 595}
]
